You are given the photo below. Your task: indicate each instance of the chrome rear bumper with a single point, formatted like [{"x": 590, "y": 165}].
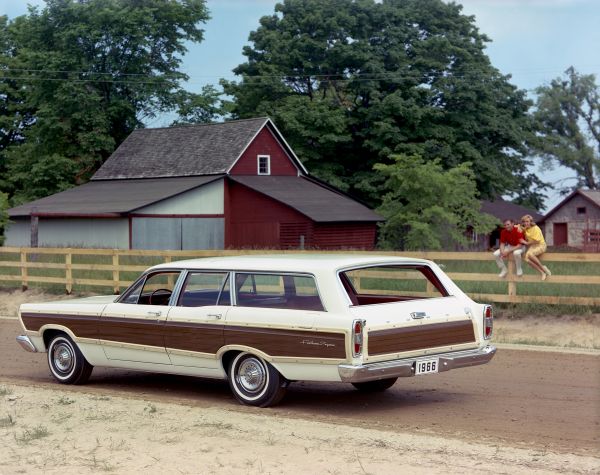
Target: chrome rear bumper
[
  {"x": 26, "y": 344},
  {"x": 406, "y": 367}
]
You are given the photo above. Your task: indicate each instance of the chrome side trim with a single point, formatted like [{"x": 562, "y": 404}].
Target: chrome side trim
[
  {"x": 405, "y": 368},
  {"x": 26, "y": 344}
]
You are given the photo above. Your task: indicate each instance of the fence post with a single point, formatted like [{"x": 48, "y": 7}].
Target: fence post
[
  {"x": 430, "y": 290},
  {"x": 23, "y": 270},
  {"x": 357, "y": 283},
  {"x": 69, "y": 273},
  {"x": 115, "y": 274},
  {"x": 512, "y": 283},
  {"x": 170, "y": 281}
]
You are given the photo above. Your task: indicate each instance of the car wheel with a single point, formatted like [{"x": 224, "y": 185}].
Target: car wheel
[
  {"x": 375, "y": 386},
  {"x": 66, "y": 362},
  {"x": 255, "y": 382}
]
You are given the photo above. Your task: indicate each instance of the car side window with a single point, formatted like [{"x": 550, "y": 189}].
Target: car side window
[
  {"x": 132, "y": 294},
  {"x": 155, "y": 289},
  {"x": 205, "y": 288},
  {"x": 293, "y": 292}
]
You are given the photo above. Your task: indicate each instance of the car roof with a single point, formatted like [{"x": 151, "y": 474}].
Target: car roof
[{"x": 299, "y": 262}]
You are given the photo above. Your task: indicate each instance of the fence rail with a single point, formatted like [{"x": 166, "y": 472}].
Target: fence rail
[{"x": 106, "y": 269}]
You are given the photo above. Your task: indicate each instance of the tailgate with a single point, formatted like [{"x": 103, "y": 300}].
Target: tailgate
[{"x": 416, "y": 328}]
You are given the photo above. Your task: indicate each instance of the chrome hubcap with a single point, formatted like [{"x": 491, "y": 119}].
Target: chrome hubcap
[
  {"x": 251, "y": 375},
  {"x": 63, "y": 358}
]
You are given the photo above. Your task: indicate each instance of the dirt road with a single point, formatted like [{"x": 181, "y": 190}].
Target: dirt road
[{"x": 524, "y": 399}]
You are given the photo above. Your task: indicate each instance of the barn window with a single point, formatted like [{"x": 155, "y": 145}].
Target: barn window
[
  {"x": 264, "y": 165},
  {"x": 581, "y": 210}
]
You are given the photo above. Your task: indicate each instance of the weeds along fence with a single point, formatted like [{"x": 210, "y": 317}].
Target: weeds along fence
[{"x": 575, "y": 277}]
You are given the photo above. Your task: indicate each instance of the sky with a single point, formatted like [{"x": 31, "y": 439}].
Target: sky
[{"x": 533, "y": 40}]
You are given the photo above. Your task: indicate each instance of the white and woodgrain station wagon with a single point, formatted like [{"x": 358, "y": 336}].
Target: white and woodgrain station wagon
[{"x": 262, "y": 322}]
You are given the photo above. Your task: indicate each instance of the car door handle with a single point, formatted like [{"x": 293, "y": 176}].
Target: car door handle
[
  {"x": 158, "y": 313},
  {"x": 215, "y": 315},
  {"x": 418, "y": 315}
]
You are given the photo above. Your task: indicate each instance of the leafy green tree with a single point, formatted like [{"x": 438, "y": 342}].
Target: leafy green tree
[
  {"x": 14, "y": 114},
  {"x": 427, "y": 207},
  {"x": 202, "y": 108},
  {"x": 91, "y": 71},
  {"x": 351, "y": 82},
  {"x": 3, "y": 215},
  {"x": 567, "y": 120}
]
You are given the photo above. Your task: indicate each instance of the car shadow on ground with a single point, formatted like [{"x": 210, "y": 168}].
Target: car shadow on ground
[{"x": 325, "y": 399}]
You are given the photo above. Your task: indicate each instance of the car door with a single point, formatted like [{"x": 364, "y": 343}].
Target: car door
[
  {"x": 194, "y": 327},
  {"x": 276, "y": 314},
  {"x": 132, "y": 329}
]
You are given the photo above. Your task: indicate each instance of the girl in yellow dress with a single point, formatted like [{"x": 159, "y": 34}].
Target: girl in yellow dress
[{"x": 536, "y": 245}]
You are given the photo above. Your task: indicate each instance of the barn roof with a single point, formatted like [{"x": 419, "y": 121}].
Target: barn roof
[
  {"x": 319, "y": 202},
  {"x": 502, "y": 210},
  {"x": 187, "y": 150},
  {"x": 592, "y": 196},
  {"x": 110, "y": 197}
]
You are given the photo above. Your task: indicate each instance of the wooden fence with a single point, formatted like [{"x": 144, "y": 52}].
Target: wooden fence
[{"x": 107, "y": 268}]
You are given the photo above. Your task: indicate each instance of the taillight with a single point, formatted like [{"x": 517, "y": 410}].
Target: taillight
[
  {"x": 488, "y": 322},
  {"x": 357, "y": 337}
]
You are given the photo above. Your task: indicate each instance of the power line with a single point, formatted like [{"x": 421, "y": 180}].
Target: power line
[
  {"x": 250, "y": 79},
  {"x": 465, "y": 72}
]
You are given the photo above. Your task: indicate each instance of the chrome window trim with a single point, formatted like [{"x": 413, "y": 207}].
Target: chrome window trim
[
  {"x": 178, "y": 286},
  {"x": 225, "y": 280},
  {"x": 128, "y": 289},
  {"x": 369, "y": 266},
  {"x": 145, "y": 275}
]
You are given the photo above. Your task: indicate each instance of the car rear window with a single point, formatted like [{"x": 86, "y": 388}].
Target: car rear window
[{"x": 383, "y": 284}]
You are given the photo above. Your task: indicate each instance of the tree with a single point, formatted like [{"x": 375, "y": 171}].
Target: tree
[
  {"x": 428, "y": 207},
  {"x": 567, "y": 122},
  {"x": 352, "y": 82},
  {"x": 91, "y": 72},
  {"x": 201, "y": 108},
  {"x": 3, "y": 215}
]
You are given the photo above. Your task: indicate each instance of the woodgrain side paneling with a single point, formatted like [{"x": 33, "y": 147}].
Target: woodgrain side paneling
[
  {"x": 419, "y": 337},
  {"x": 132, "y": 330},
  {"x": 200, "y": 337},
  {"x": 83, "y": 326},
  {"x": 205, "y": 338},
  {"x": 293, "y": 343}
]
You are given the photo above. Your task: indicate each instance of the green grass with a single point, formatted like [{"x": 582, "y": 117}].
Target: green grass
[{"x": 546, "y": 288}]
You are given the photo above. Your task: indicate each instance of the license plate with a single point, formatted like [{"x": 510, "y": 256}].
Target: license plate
[{"x": 427, "y": 366}]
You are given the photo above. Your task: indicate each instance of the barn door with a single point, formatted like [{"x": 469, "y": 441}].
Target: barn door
[
  {"x": 561, "y": 234},
  {"x": 177, "y": 233}
]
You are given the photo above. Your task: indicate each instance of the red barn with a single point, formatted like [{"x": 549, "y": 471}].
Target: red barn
[{"x": 236, "y": 184}]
